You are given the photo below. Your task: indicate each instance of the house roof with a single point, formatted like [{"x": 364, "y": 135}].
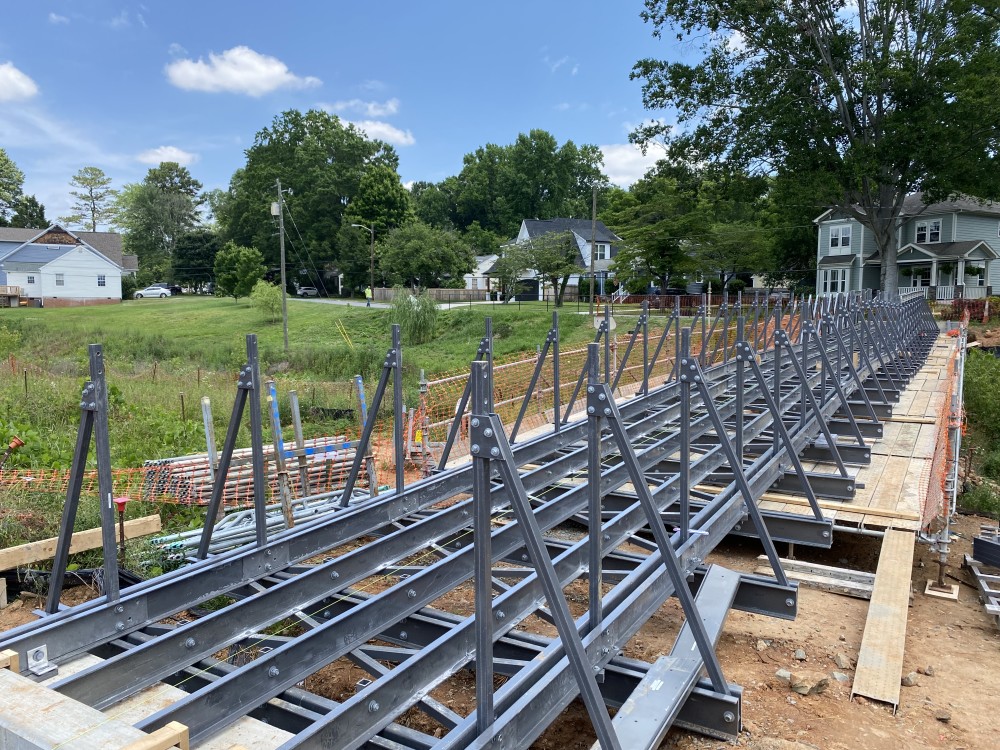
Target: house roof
[
  {"x": 836, "y": 260},
  {"x": 37, "y": 254},
  {"x": 942, "y": 250},
  {"x": 913, "y": 205},
  {"x": 582, "y": 227},
  {"x": 108, "y": 244}
]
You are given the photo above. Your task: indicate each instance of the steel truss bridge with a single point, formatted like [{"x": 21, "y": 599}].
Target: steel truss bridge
[{"x": 655, "y": 482}]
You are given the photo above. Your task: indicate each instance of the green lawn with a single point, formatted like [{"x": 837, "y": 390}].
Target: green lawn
[{"x": 326, "y": 341}]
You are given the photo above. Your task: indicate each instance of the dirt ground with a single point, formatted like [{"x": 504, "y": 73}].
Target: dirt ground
[{"x": 955, "y": 641}]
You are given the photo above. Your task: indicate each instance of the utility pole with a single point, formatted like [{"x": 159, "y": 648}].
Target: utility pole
[
  {"x": 284, "y": 288},
  {"x": 593, "y": 248}
]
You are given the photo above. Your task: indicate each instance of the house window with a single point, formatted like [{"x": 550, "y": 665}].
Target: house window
[
  {"x": 101, "y": 280},
  {"x": 840, "y": 238},
  {"x": 31, "y": 279},
  {"x": 603, "y": 251},
  {"x": 929, "y": 231},
  {"x": 60, "y": 280},
  {"x": 833, "y": 281}
]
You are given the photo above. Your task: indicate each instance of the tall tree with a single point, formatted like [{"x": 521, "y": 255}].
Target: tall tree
[
  {"x": 553, "y": 257},
  {"x": 193, "y": 260},
  {"x": 171, "y": 177},
  {"x": 11, "y": 183},
  {"x": 94, "y": 202},
  {"x": 322, "y": 161},
  {"x": 237, "y": 270},
  {"x": 422, "y": 256},
  {"x": 883, "y": 96},
  {"x": 532, "y": 178},
  {"x": 29, "y": 214}
]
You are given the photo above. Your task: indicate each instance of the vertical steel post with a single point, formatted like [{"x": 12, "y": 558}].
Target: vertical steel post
[
  {"x": 645, "y": 348},
  {"x": 300, "y": 444},
  {"x": 256, "y": 441},
  {"x": 607, "y": 343},
  {"x": 102, "y": 450},
  {"x": 397, "y": 407},
  {"x": 594, "y": 488},
  {"x": 206, "y": 418},
  {"x": 482, "y": 536},
  {"x": 740, "y": 391},
  {"x": 278, "y": 441},
  {"x": 556, "y": 393},
  {"x": 684, "y": 480}
]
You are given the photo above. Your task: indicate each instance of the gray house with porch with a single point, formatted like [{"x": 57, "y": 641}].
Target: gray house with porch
[{"x": 946, "y": 250}]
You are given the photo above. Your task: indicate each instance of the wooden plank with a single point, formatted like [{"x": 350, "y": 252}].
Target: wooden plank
[
  {"x": 3, "y": 592},
  {"x": 827, "y": 571},
  {"x": 853, "y": 508},
  {"x": 831, "y": 585},
  {"x": 880, "y": 660},
  {"x": 170, "y": 735},
  {"x": 33, "y": 552}
]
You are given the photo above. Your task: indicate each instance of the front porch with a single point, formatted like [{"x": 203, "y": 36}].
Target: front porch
[{"x": 948, "y": 272}]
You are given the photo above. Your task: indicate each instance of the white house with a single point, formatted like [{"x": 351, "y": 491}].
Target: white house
[
  {"x": 945, "y": 250},
  {"x": 605, "y": 247},
  {"x": 58, "y": 267},
  {"x": 479, "y": 277}
]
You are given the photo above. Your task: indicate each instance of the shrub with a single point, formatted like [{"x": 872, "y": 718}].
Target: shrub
[
  {"x": 982, "y": 397},
  {"x": 416, "y": 314},
  {"x": 982, "y": 500},
  {"x": 266, "y": 297}
]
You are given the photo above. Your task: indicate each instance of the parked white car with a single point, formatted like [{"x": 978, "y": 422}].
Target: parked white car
[
  {"x": 308, "y": 291},
  {"x": 153, "y": 291}
]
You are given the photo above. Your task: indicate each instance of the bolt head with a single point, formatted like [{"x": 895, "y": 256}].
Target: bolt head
[
  {"x": 590, "y": 389},
  {"x": 488, "y": 432},
  {"x": 475, "y": 448},
  {"x": 789, "y": 602},
  {"x": 190, "y": 643},
  {"x": 729, "y": 717},
  {"x": 373, "y": 707},
  {"x": 591, "y": 410},
  {"x": 501, "y": 615},
  {"x": 273, "y": 672},
  {"x": 411, "y": 594},
  {"x": 494, "y": 452},
  {"x": 607, "y": 412},
  {"x": 403, "y": 635},
  {"x": 601, "y": 397},
  {"x": 475, "y": 423},
  {"x": 120, "y": 626}
]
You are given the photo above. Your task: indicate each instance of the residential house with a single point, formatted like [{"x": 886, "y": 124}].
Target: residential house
[
  {"x": 479, "y": 277},
  {"x": 59, "y": 267},
  {"x": 605, "y": 247},
  {"x": 945, "y": 250}
]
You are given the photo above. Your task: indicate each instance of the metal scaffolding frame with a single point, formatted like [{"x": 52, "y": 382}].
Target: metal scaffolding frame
[{"x": 672, "y": 471}]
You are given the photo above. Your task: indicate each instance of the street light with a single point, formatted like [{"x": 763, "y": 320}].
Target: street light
[{"x": 371, "y": 263}]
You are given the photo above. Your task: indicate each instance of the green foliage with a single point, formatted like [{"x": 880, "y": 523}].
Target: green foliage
[
  {"x": 322, "y": 160},
  {"x": 266, "y": 297},
  {"x": 193, "y": 260},
  {"x": 982, "y": 396},
  {"x": 129, "y": 286},
  {"x": 422, "y": 256},
  {"x": 9, "y": 340},
  {"x": 982, "y": 500},
  {"x": 553, "y": 257},
  {"x": 94, "y": 200},
  {"x": 416, "y": 314},
  {"x": 534, "y": 177},
  {"x": 237, "y": 270},
  {"x": 871, "y": 102},
  {"x": 11, "y": 182},
  {"x": 29, "y": 214}
]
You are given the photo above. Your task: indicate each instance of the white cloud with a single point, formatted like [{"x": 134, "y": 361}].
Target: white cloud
[
  {"x": 408, "y": 184},
  {"x": 176, "y": 50},
  {"x": 737, "y": 42},
  {"x": 15, "y": 85},
  {"x": 554, "y": 65},
  {"x": 239, "y": 70},
  {"x": 57, "y": 19},
  {"x": 369, "y": 109},
  {"x": 371, "y": 85},
  {"x": 624, "y": 163},
  {"x": 160, "y": 154},
  {"x": 383, "y": 131}
]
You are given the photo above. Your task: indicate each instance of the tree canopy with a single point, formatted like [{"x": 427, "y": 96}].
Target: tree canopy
[
  {"x": 94, "y": 200},
  {"x": 322, "y": 161},
  {"x": 11, "y": 182},
  {"x": 237, "y": 270},
  {"x": 422, "y": 256},
  {"x": 29, "y": 214},
  {"x": 880, "y": 97}
]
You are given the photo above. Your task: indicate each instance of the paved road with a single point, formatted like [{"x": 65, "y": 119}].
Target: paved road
[{"x": 334, "y": 301}]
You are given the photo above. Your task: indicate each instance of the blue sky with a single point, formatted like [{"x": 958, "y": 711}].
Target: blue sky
[{"x": 123, "y": 85}]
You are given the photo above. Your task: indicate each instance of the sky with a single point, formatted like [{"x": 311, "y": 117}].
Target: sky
[{"x": 124, "y": 86}]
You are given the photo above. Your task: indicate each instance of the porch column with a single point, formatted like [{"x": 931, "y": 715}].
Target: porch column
[
  {"x": 986, "y": 279},
  {"x": 934, "y": 273},
  {"x": 960, "y": 280}
]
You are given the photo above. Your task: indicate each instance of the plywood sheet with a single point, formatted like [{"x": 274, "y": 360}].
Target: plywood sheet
[{"x": 880, "y": 660}]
